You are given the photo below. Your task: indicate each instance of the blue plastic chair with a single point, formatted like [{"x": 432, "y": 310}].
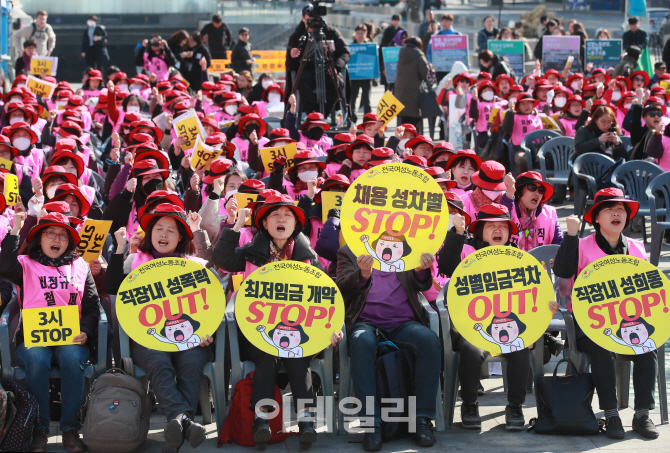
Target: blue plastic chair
[
  {"x": 530, "y": 144},
  {"x": 588, "y": 168},
  {"x": 272, "y": 122},
  {"x": 658, "y": 193},
  {"x": 633, "y": 178},
  {"x": 560, "y": 149}
]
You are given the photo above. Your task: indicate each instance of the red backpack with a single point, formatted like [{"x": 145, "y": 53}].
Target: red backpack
[{"x": 238, "y": 426}]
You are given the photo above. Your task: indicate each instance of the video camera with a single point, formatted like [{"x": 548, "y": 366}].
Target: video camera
[{"x": 316, "y": 11}]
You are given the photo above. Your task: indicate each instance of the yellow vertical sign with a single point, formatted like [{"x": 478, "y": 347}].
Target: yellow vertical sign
[
  {"x": 268, "y": 155},
  {"x": 388, "y": 108},
  {"x": 11, "y": 190},
  {"x": 51, "y": 326},
  {"x": 93, "y": 235},
  {"x": 188, "y": 127},
  {"x": 6, "y": 163},
  {"x": 330, "y": 200},
  {"x": 203, "y": 154},
  {"x": 243, "y": 200}
]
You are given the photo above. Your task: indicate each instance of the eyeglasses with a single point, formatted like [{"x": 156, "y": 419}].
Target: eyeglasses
[
  {"x": 655, "y": 114},
  {"x": 536, "y": 188},
  {"x": 53, "y": 235},
  {"x": 638, "y": 79}
]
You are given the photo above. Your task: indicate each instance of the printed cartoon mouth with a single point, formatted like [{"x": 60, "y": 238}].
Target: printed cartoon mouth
[
  {"x": 504, "y": 336},
  {"x": 284, "y": 342},
  {"x": 179, "y": 335},
  {"x": 387, "y": 254},
  {"x": 634, "y": 338}
]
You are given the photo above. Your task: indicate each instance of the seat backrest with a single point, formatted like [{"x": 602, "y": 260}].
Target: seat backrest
[
  {"x": 544, "y": 254},
  {"x": 659, "y": 188},
  {"x": 535, "y": 139},
  {"x": 635, "y": 177},
  {"x": 560, "y": 149},
  {"x": 592, "y": 164},
  {"x": 627, "y": 143}
]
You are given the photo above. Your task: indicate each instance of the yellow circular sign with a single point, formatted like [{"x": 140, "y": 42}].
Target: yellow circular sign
[
  {"x": 170, "y": 304},
  {"x": 620, "y": 303},
  {"x": 394, "y": 213},
  {"x": 498, "y": 299},
  {"x": 289, "y": 309}
]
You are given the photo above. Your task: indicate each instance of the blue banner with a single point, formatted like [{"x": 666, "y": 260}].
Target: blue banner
[
  {"x": 391, "y": 55},
  {"x": 364, "y": 62}
]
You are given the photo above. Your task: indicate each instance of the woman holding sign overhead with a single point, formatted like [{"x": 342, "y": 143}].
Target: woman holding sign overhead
[
  {"x": 610, "y": 215},
  {"x": 52, "y": 274}
]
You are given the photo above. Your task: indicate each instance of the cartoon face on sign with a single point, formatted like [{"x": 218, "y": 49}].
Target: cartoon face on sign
[
  {"x": 388, "y": 250},
  {"x": 634, "y": 334},
  {"x": 504, "y": 332},
  {"x": 179, "y": 332},
  {"x": 287, "y": 339}
]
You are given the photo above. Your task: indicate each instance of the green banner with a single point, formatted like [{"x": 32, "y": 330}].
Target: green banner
[
  {"x": 603, "y": 53},
  {"x": 513, "y": 50}
]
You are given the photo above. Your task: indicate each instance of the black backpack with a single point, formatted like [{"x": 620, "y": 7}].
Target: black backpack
[
  {"x": 20, "y": 417},
  {"x": 394, "y": 374}
]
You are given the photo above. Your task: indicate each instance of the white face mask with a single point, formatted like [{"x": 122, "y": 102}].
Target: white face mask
[
  {"x": 15, "y": 99},
  {"x": 229, "y": 194},
  {"x": 90, "y": 23},
  {"x": 574, "y": 86},
  {"x": 616, "y": 95},
  {"x": 15, "y": 120},
  {"x": 487, "y": 95},
  {"x": 266, "y": 83},
  {"x": 206, "y": 99},
  {"x": 274, "y": 98},
  {"x": 560, "y": 102},
  {"x": 451, "y": 222},
  {"x": 21, "y": 143},
  {"x": 51, "y": 191},
  {"x": 492, "y": 194},
  {"x": 402, "y": 144},
  {"x": 627, "y": 106},
  {"x": 20, "y": 85},
  {"x": 133, "y": 108},
  {"x": 230, "y": 109},
  {"x": 136, "y": 87},
  {"x": 123, "y": 86},
  {"x": 307, "y": 175}
]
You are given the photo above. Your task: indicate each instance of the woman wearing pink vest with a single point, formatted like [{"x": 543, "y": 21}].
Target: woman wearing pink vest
[
  {"x": 537, "y": 222},
  {"x": 492, "y": 227},
  {"x": 610, "y": 215},
  {"x": 357, "y": 154},
  {"x": 228, "y": 102},
  {"x": 278, "y": 137},
  {"x": 480, "y": 110},
  {"x": 311, "y": 132},
  {"x": 658, "y": 147},
  {"x": 279, "y": 237},
  {"x": 175, "y": 376},
  {"x": 622, "y": 108},
  {"x": 489, "y": 185},
  {"x": 51, "y": 273},
  {"x": 567, "y": 120},
  {"x": 248, "y": 124},
  {"x": 521, "y": 120},
  {"x": 463, "y": 164},
  {"x": 272, "y": 104},
  {"x": 304, "y": 171}
]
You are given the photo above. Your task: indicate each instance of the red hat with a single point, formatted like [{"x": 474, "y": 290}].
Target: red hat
[
  {"x": 552, "y": 72},
  {"x": 139, "y": 80},
  {"x": 631, "y": 94},
  {"x": 514, "y": 89},
  {"x": 483, "y": 75},
  {"x": 252, "y": 117},
  {"x": 169, "y": 210},
  {"x": 220, "y": 98},
  {"x": 416, "y": 161},
  {"x": 658, "y": 92},
  {"x": 441, "y": 148},
  {"x": 588, "y": 88},
  {"x": 502, "y": 77},
  {"x": 410, "y": 128},
  {"x": 305, "y": 157},
  {"x": 57, "y": 170},
  {"x": 575, "y": 76},
  {"x": 335, "y": 180},
  {"x": 340, "y": 143},
  {"x": 160, "y": 196},
  {"x": 419, "y": 139},
  {"x": 217, "y": 169},
  {"x": 19, "y": 92},
  {"x": 130, "y": 118},
  {"x": 315, "y": 118},
  {"x": 279, "y": 135},
  {"x": 260, "y": 199},
  {"x": 624, "y": 80},
  {"x": 252, "y": 186},
  {"x": 180, "y": 107},
  {"x": 206, "y": 86},
  {"x": 141, "y": 139},
  {"x": 275, "y": 87},
  {"x": 275, "y": 201},
  {"x": 640, "y": 73},
  {"x": 210, "y": 122},
  {"x": 494, "y": 213},
  {"x": 368, "y": 118},
  {"x": 9, "y": 131},
  {"x": 599, "y": 103},
  {"x": 74, "y": 101},
  {"x": 148, "y": 167},
  {"x": 102, "y": 102},
  {"x": 5, "y": 141},
  {"x": 64, "y": 190},
  {"x": 526, "y": 98},
  {"x": 575, "y": 98},
  {"x": 146, "y": 124},
  {"x": 491, "y": 176},
  {"x": 217, "y": 138},
  {"x": 20, "y": 78},
  {"x": 28, "y": 112},
  {"x": 533, "y": 177},
  {"x": 361, "y": 140},
  {"x": 63, "y": 153},
  {"x": 94, "y": 74},
  {"x": 601, "y": 72},
  {"x": 462, "y": 75},
  {"x": 612, "y": 194},
  {"x": 54, "y": 219},
  {"x": 654, "y": 100},
  {"x": 464, "y": 153},
  {"x": 68, "y": 129},
  {"x": 119, "y": 76},
  {"x": 380, "y": 156},
  {"x": 487, "y": 84},
  {"x": 146, "y": 152},
  {"x": 439, "y": 175},
  {"x": 454, "y": 201},
  {"x": 62, "y": 207}
]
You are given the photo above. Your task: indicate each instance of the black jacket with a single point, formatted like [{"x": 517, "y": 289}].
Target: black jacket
[
  {"x": 638, "y": 38},
  {"x": 341, "y": 55},
  {"x": 238, "y": 58},
  {"x": 501, "y": 65},
  {"x": 99, "y": 46},
  {"x": 212, "y": 33},
  {"x": 169, "y": 57}
]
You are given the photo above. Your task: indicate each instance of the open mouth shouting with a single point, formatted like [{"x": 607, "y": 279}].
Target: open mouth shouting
[
  {"x": 616, "y": 222},
  {"x": 387, "y": 254},
  {"x": 634, "y": 338},
  {"x": 178, "y": 335},
  {"x": 55, "y": 248},
  {"x": 163, "y": 243},
  {"x": 504, "y": 336},
  {"x": 281, "y": 228},
  {"x": 284, "y": 342},
  {"x": 497, "y": 238}
]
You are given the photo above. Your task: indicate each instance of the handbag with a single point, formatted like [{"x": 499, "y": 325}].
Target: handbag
[
  {"x": 428, "y": 102},
  {"x": 564, "y": 404}
]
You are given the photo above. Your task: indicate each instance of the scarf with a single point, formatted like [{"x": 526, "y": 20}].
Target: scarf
[
  {"x": 528, "y": 232},
  {"x": 164, "y": 255},
  {"x": 63, "y": 260},
  {"x": 620, "y": 249},
  {"x": 283, "y": 254},
  {"x": 480, "y": 199},
  {"x": 26, "y": 60}
]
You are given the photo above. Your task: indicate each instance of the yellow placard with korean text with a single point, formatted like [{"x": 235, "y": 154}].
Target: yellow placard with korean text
[
  {"x": 666, "y": 85},
  {"x": 388, "y": 108},
  {"x": 219, "y": 66},
  {"x": 394, "y": 213},
  {"x": 268, "y": 156},
  {"x": 549, "y": 123},
  {"x": 44, "y": 66},
  {"x": 51, "y": 326},
  {"x": 6, "y": 163},
  {"x": 499, "y": 299},
  {"x": 93, "y": 235},
  {"x": 289, "y": 309},
  {"x": 170, "y": 304},
  {"x": 40, "y": 87},
  {"x": 11, "y": 190},
  {"x": 203, "y": 154},
  {"x": 188, "y": 127},
  {"x": 330, "y": 200},
  {"x": 620, "y": 302},
  {"x": 243, "y": 200},
  {"x": 494, "y": 114}
]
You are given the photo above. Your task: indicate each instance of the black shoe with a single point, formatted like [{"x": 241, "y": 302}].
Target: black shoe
[
  {"x": 645, "y": 427},
  {"x": 307, "y": 434},
  {"x": 424, "y": 436},
  {"x": 514, "y": 420},
  {"x": 373, "y": 441},
  {"x": 470, "y": 418},
  {"x": 174, "y": 437},
  {"x": 480, "y": 390},
  {"x": 40, "y": 440},
  {"x": 194, "y": 432},
  {"x": 614, "y": 428},
  {"x": 262, "y": 433}
]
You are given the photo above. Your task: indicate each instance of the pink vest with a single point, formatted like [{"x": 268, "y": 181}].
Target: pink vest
[
  {"x": 356, "y": 173},
  {"x": 89, "y": 193},
  {"x": 249, "y": 268},
  {"x": 437, "y": 284},
  {"x": 467, "y": 250},
  {"x": 46, "y": 286},
  {"x": 88, "y": 94},
  {"x": 468, "y": 205},
  {"x": 315, "y": 232},
  {"x": 142, "y": 257},
  {"x": 332, "y": 168},
  {"x": 524, "y": 125},
  {"x": 664, "y": 160},
  {"x": 246, "y": 235},
  {"x": 569, "y": 126},
  {"x": 39, "y": 126},
  {"x": 243, "y": 146},
  {"x": 290, "y": 191},
  {"x": 542, "y": 229},
  {"x": 117, "y": 126},
  {"x": 485, "y": 109},
  {"x": 99, "y": 117},
  {"x": 459, "y": 191},
  {"x": 319, "y": 146},
  {"x": 590, "y": 252},
  {"x": 156, "y": 65},
  {"x": 209, "y": 108},
  {"x": 133, "y": 223},
  {"x": 620, "y": 115},
  {"x": 220, "y": 116}
]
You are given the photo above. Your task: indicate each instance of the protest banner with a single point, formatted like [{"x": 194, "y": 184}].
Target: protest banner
[
  {"x": 203, "y": 154},
  {"x": 243, "y": 200},
  {"x": 557, "y": 49},
  {"x": 188, "y": 127},
  {"x": 512, "y": 50},
  {"x": 93, "y": 235},
  {"x": 666, "y": 85},
  {"x": 388, "y": 108},
  {"x": 394, "y": 213},
  {"x": 50, "y": 326},
  {"x": 447, "y": 50},
  {"x": 620, "y": 303},
  {"x": 170, "y": 304},
  {"x": 455, "y": 128},
  {"x": 43, "y": 66},
  {"x": 603, "y": 53},
  {"x": 268, "y": 156},
  {"x": 218, "y": 66},
  {"x": 289, "y": 309},
  {"x": 11, "y": 189},
  {"x": 499, "y": 299},
  {"x": 40, "y": 87},
  {"x": 364, "y": 62},
  {"x": 330, "y": 200},
  {"x": 390, "y": 55},
  {"x": 6, "y": 163}
]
